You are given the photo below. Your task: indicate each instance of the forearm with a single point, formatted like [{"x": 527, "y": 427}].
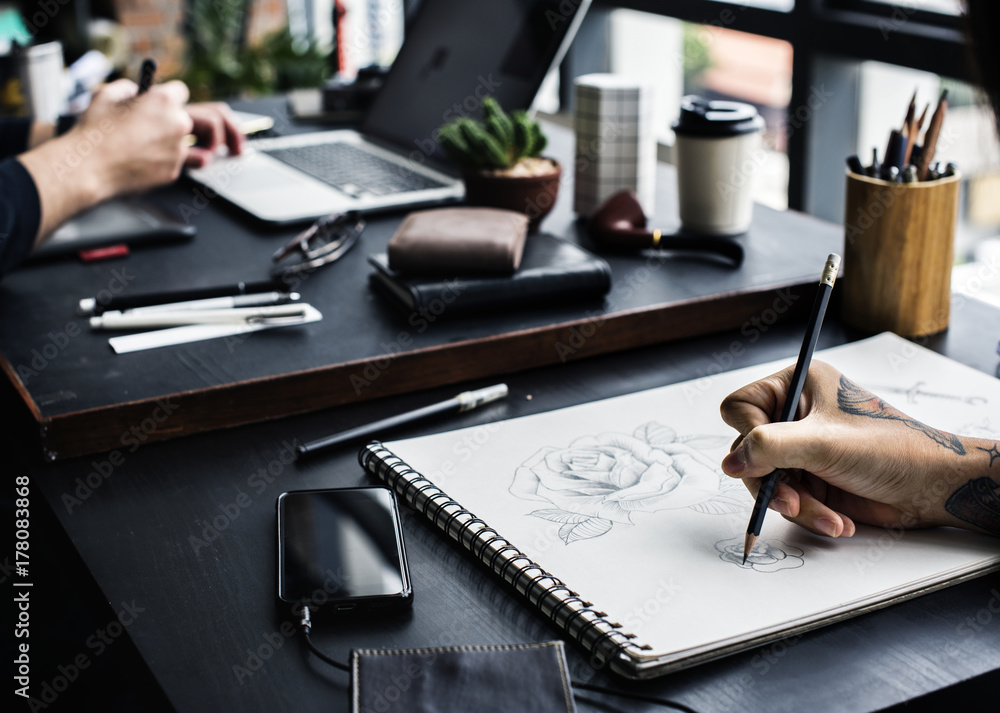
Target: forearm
[
  {"x": 966, "y": 491},
  {"x": 66, "y": 181}
]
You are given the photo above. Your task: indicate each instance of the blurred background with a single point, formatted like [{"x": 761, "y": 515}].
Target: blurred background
[{"x": 831, "y": 77}]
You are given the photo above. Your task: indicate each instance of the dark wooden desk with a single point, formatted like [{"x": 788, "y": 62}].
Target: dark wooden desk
[
  {"x": 210, "y": 618},
  {"x": 180, "y": 535},
  {"x": 85, "y": 399}
]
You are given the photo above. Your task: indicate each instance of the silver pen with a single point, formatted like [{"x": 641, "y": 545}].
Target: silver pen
[{"x": 241, "y": 315}]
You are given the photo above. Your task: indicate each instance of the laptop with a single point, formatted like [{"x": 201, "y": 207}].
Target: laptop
[{"x": 456, "y": 53}]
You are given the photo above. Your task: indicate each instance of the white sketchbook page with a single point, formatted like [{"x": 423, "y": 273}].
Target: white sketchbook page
[{"x": 666, "y": 577}]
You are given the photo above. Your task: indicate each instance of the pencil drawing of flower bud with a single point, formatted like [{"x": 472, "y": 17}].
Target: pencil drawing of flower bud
[
  {"x": 601, "y": 480},
  {"x": 769, "y": 556}
]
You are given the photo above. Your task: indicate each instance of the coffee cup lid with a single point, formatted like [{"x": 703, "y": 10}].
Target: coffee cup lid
[{"x": 704, "y": 117}]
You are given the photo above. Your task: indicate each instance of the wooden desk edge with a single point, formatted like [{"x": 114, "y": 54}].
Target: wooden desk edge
[{"x": 127, "y": 425}]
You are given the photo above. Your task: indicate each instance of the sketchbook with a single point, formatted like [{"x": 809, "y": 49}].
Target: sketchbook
[{"x": 614, "y": 520}]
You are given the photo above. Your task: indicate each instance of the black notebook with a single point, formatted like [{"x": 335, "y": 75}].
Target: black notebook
[{"x": 552, "y": 270}]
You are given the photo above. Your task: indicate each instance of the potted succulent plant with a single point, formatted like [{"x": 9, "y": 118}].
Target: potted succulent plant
[{"x": 501, "y": 163}]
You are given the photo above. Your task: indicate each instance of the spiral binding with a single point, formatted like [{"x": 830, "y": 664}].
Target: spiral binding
[{"x": 544, "y": 591}]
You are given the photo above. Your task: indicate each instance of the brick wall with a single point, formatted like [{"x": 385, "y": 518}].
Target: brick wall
[{"x": 154, "y": 28}]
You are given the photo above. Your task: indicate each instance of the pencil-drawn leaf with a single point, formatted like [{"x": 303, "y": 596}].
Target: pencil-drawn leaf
[
  {"x": 592, "y": 527},
  {"x": 722, "y": 504},
  {"x": 556, "y": 515},
  {"x": 654, "y": 433}
]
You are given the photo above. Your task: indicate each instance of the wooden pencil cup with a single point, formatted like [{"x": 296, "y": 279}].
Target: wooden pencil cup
[{"x": 899, "y": 245}]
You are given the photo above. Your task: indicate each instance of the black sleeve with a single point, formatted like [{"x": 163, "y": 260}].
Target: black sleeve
[
  {"x": 14, "y": 135},
  {"x": 20, "y": 214}
]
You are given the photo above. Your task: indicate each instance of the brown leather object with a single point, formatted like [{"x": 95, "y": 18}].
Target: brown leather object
[{"x": 459, "y": 241}]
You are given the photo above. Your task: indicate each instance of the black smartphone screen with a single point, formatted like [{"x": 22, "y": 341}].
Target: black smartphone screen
[{"x": 342, "y": 547}]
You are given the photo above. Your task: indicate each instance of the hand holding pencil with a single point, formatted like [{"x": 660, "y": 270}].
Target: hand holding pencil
[
  {"x": 850, "y": 458},
  {"x": 793, "y": 395}
]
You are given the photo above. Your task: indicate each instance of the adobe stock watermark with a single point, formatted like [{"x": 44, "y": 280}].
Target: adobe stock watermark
[
  {"x": 471, "y": 441},
  {"x": 202, "y": 196},
  {"x": 57, "y": 341},
  {"x": 420, "y": 319},
  {"x": 270, "y": 642},
  {"x": 708, "y": 33},
  {"x": 97, "y": 643},
  {"x": 740, "y": 174},
  {"x": 642, "y": 613},
  {"x": 45, "y": 13},
  {"x": 902, "y": 12},
  {"x": 102, "y": 470},
  {"x": 622, "y": 290},
  {"x": 752, "y": 330},
  {"x": 486, "y": 86},
  {"x": 212, "y": 526}
]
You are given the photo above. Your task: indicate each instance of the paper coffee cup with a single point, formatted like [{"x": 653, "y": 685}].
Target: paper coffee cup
[{"x": 716, "y": 156}]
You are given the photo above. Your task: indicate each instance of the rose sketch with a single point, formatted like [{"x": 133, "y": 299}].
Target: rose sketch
[
  {"x": 601, "y": 480},
  {"x": 769, "y": 556}
]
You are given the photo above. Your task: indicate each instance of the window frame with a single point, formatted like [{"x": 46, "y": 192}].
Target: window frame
[{"x": 823, "y": 30}]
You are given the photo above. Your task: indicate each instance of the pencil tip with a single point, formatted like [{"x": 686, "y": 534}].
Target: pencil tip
[{"x": 748, "y": 544}]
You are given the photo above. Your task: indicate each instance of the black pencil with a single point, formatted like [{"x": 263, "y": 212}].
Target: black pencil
[
  {"x": 147, "y": 72},
  {"x": 826, "y": 281},
  {"x": 465, "y": 401}
]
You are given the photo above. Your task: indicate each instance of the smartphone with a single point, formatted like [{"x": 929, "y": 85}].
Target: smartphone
[{"x": 342, "y": 550}]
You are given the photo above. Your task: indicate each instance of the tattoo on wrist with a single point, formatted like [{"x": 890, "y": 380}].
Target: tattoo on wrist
[
  {"x": 993, "y": 453},
  {"x": 854, "y": 400},
  {"x": 977, "y": 503}
]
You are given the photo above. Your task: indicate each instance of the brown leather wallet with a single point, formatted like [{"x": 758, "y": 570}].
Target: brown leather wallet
[{"x": 459, "y": 241}]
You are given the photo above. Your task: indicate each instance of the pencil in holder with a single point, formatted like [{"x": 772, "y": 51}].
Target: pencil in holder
[{"x": 899, "y": 247}]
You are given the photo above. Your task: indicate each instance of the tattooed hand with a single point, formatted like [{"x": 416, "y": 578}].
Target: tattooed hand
[{"x": 851, "y": 457}]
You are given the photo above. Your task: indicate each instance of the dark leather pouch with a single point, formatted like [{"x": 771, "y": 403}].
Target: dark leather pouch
[{"x": 528, "y": 678}]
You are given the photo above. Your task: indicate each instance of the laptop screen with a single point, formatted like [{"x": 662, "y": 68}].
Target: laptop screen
[{"x": 456, "y": 53}]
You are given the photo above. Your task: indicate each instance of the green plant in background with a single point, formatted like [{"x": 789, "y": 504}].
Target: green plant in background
[
  {"x": 696, "y": 56},
  {"x": 499, "y": 141},
  {"x": 222, "y": 65}
]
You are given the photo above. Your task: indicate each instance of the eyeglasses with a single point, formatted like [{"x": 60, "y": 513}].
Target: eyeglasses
[{"x": 325, "y": 241}]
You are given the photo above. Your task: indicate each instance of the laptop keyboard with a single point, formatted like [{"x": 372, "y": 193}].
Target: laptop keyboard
[{"x": 353, "y": 170}]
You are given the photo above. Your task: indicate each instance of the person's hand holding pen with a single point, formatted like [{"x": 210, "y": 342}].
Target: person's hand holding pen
[
  {"x": 854, "y": 459},
  {"x": 214, "y": 124},
  {"x": 124, "y": 143}
]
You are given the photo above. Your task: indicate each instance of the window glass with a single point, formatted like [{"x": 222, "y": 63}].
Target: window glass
[
  {"x": 715, "y": 62},
  {"x": 968, "y": 139},
  {"x": 945, "y": 7}
]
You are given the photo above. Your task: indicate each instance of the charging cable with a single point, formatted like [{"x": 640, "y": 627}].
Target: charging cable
[{"x": 306, "y": 624}]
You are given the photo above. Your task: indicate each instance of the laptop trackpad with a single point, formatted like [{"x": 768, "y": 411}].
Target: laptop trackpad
[{"x": 267, "y": 188}]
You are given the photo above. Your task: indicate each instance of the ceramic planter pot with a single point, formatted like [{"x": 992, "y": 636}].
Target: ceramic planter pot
[{"x": 532, "y": 195}]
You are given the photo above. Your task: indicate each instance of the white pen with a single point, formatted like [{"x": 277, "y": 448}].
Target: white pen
[
  {"x": 228, "y": 302},
  {"x": 246, "y": 315}
]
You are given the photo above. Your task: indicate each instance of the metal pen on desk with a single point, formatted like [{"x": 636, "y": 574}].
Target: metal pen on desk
[
  {"x": 248, "y": 315},
  {"x": 465, "y": 401}
]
